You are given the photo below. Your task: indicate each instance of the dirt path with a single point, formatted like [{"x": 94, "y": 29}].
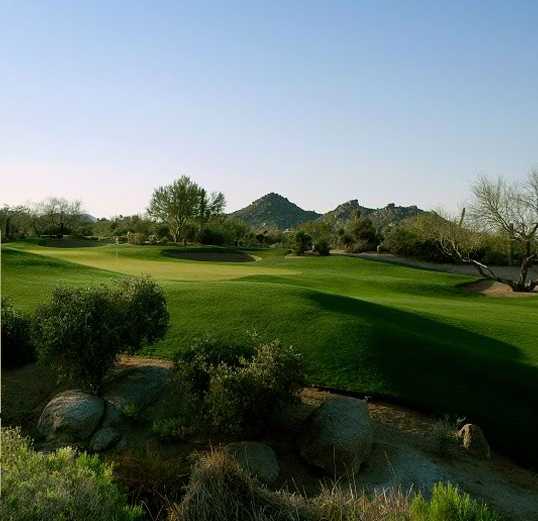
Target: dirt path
[{"x": 407, "y": 454}]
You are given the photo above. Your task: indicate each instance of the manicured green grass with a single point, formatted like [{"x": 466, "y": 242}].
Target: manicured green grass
[{"x": 363, "y": 326}]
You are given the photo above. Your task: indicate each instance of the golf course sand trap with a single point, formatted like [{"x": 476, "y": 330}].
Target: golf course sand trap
[
  {"x": 493, "y": 288},
  {"x": 210, "y": 256}
]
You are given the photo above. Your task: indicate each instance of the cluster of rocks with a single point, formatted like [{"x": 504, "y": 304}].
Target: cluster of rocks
[
  {"x": 97, "y": 423},
  {"x": 336, "y": 437}
]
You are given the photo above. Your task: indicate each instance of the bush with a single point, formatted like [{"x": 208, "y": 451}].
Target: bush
[
  {"x": 322, "y": 247},
  {"x": 301, "y": 242},
  {"x": 448, "y": 503},
  {"x": 220, "y": 490},
  {"x": 80, "y": 331},
  {"x": 142, "y": 312},
  {"x": 212, "y": 235},
  {"x": 232, "y": 389},
  {"x": 59, "y": 485},
  {"x": 150, "y": 477},
  {"x": 17, "y": 346}
]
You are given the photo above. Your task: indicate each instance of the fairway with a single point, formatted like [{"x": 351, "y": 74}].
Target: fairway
[{"x": 362, "y": 326}]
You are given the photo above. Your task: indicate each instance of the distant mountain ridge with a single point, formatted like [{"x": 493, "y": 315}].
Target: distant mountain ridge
[
  {"x": 275, "y": 211},
  {"x": 380, "y": 217}
]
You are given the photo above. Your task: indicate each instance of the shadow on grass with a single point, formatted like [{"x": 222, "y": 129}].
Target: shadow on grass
[
  {"x": 70, "y": 243},
  {"x": 210, "y": 254},
  {"x": 442, "y": 368}
]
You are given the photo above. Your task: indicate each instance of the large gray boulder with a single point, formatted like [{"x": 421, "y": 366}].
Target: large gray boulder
[
  {"x": 338, "y": 436},
  {"x": 104, "y": 439},
  {"x": 256, "y": 458},
  {"x": 132, "y": 390},
  {"x": 71, "y": 417}
]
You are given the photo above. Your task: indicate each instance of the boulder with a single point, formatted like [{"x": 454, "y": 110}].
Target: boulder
[
  {"x": 474, "y": 441},
  {"x": 134, "y": 388},
  {"x": 256, "y": 458},
  {"x": 104, "y": 439},
  {"x": 71, "y": 416},
  {"x": 338, "y": 436}
]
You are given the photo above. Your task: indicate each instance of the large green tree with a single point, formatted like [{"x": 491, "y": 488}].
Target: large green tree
[{"x": 183, "y": 204}]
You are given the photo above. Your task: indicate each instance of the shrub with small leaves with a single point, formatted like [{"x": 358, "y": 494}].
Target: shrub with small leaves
[
  {"x": 60, "y": 485},
  {"x": 449, "y": 503},
  {"x": 236, "y": 389},
  {"x": 17, "y": 346},
  {"x": 79, "y": 332}
]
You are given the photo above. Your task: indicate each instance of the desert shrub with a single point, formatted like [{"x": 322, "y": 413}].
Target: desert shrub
[
  {"x": 232, "y": 389},
  {"x": 322, "y": 247},
  {"x": 79, "y": 332},
  {"x": 143, "y": 312},
  {"x": 212, "y": 235},
  {"x": 151, "y": 478},
  {"x": 17, "y": 346},
  {"x": 194, "y": 363},
  {"x": 219, "y": 489},
  {"x": 60, "y": 485},
  {"x": 443, "y": 435},
  {"x": 136, "y": 237},
  {"x": 449, "y": 503},
  {"x": 350, "y": 503},
  {"x": 301, "y": 242}
]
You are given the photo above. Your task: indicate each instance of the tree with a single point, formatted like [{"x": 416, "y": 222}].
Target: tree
[
  {"x": 502, "y": 208},
  {"x": 15, "y": 221},
  {"x": 57, "y": 215},
  {"x": 301, "y": 242},
  {"x": 183, "y": 203},
  {"x": 209, "y": 206},
  {"x": 363, "y": 232}
]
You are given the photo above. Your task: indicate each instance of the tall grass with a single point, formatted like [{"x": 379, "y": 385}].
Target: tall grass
[{"x": 220, "y": 490}]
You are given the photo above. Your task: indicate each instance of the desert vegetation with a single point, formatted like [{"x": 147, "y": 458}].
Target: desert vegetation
[{"x": 215, "y": 390}]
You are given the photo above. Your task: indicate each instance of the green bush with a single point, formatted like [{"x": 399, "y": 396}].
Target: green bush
[
  {"x": 232, "y": 389},
  {"x": 59, "y": 485},
  {"x": 17, "y": 346},
  {"x": 449, "y": 503},
  {"x": 301, "y": 242},
  {"x": 142, "y": 311},
  {"x": 80, "y": 331},
  {"x": 212, "y": 235},
  {"x": 322, "y": 247}
]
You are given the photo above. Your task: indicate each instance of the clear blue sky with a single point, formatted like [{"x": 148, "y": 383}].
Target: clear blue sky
[{"x": 322, "y": 102}]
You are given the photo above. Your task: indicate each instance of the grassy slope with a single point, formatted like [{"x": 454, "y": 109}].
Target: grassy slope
[{"x": 362, "y": 325}]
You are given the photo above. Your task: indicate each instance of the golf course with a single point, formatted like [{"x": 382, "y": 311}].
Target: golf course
[{"x": 407, "y": 334}]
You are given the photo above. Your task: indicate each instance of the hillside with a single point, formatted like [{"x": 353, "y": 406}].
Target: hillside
[
  {"x": 274, "y": 211},
  {"x": 381, "y": 217}
]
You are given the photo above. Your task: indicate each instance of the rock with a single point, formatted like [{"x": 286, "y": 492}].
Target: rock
[
  {"x": 71, "y": 416},
  {"x": 104, "y": 439},
  {"x": 474, "y": 441},
  {"x": 134, "y": 389},
  {"x": 338, "y": 436},
  {"x": 256, "y": 458},
  {"x": 136, "y": 386}
]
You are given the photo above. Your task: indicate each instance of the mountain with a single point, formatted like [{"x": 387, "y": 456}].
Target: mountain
[
  {"x": 274, "y": 211},
  {"x": 380, "y": 217}
]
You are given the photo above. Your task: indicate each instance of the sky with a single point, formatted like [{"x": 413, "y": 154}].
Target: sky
[{"x": 322, "y": 102}]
